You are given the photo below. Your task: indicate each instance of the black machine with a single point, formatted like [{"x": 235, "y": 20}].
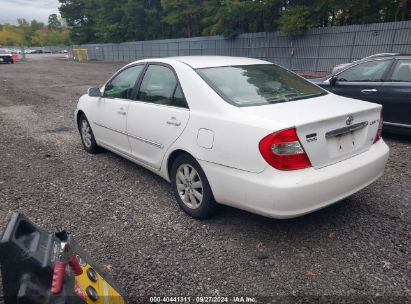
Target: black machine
[{"x": 39, "y": 267}]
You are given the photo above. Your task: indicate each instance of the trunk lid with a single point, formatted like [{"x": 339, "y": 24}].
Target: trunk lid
[{"x": 331, "y": 128}]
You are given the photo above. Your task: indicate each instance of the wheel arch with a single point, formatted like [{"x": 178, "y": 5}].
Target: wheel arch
[
  {"x": 210, "y": 199},
  {"x": 173, "y": 156},
  {"x": 79, "y": 113}
]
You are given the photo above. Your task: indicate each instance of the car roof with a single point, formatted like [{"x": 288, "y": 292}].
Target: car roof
[
  {"x": 400, "y": 56},
  {"x": 382, "y": 55},
  {"x": 199, "y": 62},
  {"x": 385, "y": 56}
]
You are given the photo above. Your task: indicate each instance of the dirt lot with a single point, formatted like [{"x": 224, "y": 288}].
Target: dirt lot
[{"x": 127, "y": 218}]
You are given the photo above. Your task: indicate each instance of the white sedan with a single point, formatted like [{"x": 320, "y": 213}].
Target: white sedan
[{"x": 236, "y": 131}]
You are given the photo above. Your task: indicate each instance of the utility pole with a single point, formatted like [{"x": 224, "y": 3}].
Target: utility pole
[{"x": 23, "y": 54}]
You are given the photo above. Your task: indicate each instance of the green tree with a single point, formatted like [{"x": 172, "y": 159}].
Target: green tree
[
  {"x": 54, "y": 22},
  {"x": 184, "y": 16},
  {"x": 232, "y": 17},
  {"x": 295, "y": 19},
  {"x": 135, "y": 18},
  {"x": 128, "y": 20},
  {"x": 32, "y": 34},
  {"x": 35, "y": 26},
  {"x": 109, "y": 25},
  {"x": 47, "y": 36},
  {"x": 79, "y": 15},
  {"x": 26, "y": 31},
  {"x": 155, "y": 29},
  {"x": 11, "y": 35}
]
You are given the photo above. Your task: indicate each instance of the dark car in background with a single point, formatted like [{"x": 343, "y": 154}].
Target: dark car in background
[
  {"x": 342, "y": 66},
  {"x": 6, "y": 56},
  {"x": 385, "y": 80}
]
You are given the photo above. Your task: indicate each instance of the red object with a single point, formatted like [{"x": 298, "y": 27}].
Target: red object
[
  {"x": 290, "y": 154},
  {"x": 58, "y": 276},
  {"x": 15, "y": 57},
  {"x": 75, "y": 265},
  {"x": 66, "y": 256},
  {"x": 379, "y": 131}
]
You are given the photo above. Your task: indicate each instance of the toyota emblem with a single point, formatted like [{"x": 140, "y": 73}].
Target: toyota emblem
[{"x": 349, "y": 120}]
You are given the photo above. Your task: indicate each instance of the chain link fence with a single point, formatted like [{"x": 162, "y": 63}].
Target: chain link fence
[{"x": 316, "y": 50}]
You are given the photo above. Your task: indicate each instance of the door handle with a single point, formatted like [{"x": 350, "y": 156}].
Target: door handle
[
  {"x": 121, "y": 112},
  {"x": 368, "y": 91},
  {"x": 173, "y": 121}
]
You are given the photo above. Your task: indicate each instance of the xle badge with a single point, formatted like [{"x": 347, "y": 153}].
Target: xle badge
[{"x": 311, "y": 137}]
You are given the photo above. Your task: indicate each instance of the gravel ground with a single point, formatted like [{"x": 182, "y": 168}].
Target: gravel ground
[{"x": 356, "y": 250}]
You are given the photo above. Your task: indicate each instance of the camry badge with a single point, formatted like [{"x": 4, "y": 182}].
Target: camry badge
[
  {"x": 311, "y": 137},
  {"x": 349, "y": 120}
]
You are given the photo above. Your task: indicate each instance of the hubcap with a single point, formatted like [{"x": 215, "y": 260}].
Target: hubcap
[
  {"x": 189, "y": 186},
  {"x": 86, "y": 133}
]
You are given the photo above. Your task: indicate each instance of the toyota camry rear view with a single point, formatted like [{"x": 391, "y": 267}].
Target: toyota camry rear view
[{"x": 236, "y": 131}]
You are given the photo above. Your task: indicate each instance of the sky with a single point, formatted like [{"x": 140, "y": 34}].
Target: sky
[{"x": 40, "y": 10}]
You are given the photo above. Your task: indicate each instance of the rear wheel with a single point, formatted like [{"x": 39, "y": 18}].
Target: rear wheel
[
  {"x": 191, "y": 188},
  {"x": 87, "y": 136}
]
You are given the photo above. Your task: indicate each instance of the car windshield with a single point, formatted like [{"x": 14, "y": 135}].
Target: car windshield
[{"x": 260, "y": 84}]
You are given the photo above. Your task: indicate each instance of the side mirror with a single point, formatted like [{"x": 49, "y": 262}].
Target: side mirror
[
  {"x": 94, "y": 92},
  {"x": 333, "y": 80}
]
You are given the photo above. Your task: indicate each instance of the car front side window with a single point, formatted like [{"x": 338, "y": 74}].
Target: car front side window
[
  {"x": 160, "y": 86},
  {"x": 402, "y": 71},
  {"x": 365, "y": 72},
  {"x": 121, "y": 86}
]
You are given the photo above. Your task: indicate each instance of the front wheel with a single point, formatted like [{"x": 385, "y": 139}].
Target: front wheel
[
  {"x": 191, "y": 188},
  {"x": 87, "y": 136}
]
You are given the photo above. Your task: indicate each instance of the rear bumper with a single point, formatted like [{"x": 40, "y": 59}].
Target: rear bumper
[{"x": 287, "y": 194}]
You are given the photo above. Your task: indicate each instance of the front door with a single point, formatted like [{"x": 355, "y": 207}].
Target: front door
[
  {"x": 158, "y": 116},
  {"x": 111, "y": 111},
  {"x": 363, "y": 81}
]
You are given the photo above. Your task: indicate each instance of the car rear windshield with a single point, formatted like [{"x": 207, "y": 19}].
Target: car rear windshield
[{"x": 260, "y": 84}]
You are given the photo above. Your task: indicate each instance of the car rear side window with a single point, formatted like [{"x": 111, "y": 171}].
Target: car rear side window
[
  {"x": 160, "y": 86},
  {"x": 122, "y": 85},
  {"x": 260, "y": 84},
  {"x": 365, "y": 72},
  {"x": 402, "y": 71}
]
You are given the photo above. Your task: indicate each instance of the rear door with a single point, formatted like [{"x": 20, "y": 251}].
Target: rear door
[
  {"x": 158, "y": 116},
  {"x": 111, "y": 110},
  {"x": 396, "y": 96},
  {"x": 363, "y": 81}
]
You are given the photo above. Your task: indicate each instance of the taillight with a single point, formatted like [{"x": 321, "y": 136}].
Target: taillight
[
  {"x": 283, "y": 150},
  {"x": 379, "y": 131}
]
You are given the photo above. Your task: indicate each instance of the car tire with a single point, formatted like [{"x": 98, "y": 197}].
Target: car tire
[
  {"x": 87, "y": 137},
  {"x": 191, "y": 188}
]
